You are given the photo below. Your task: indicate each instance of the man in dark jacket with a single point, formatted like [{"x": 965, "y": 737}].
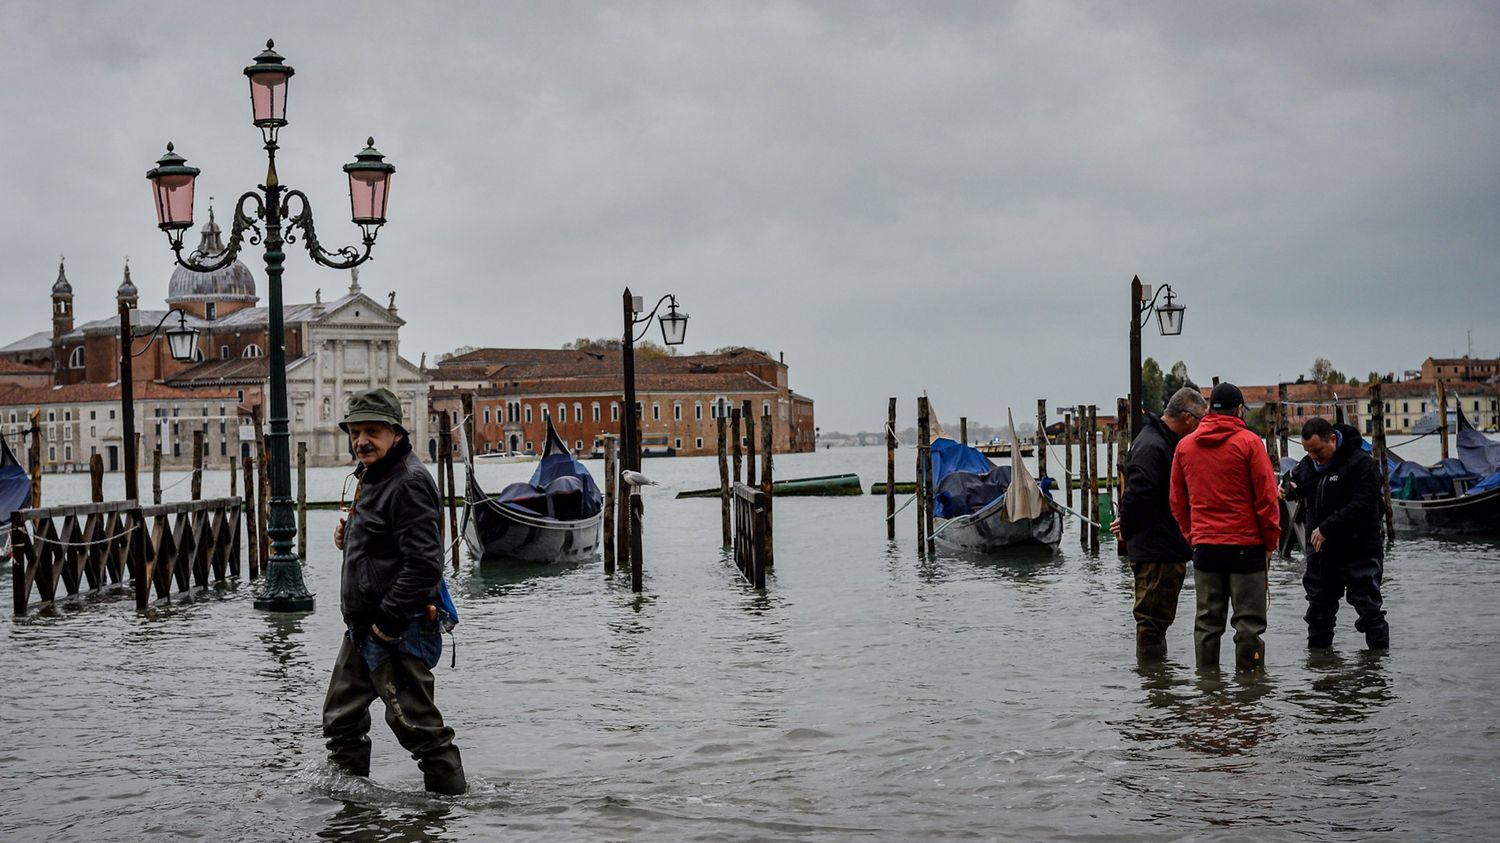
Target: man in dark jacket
[
  {"x": 1153, "y": 542},
  {"x": 1225, "y": 499},
  {"x": 393, "y": 570},
  {"x": 1339, "y": 485}
]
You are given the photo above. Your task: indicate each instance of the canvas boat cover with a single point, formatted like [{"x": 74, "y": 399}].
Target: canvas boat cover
[
  {"x": 964, "y": 481},
  {"x": 15, "y": 483},
  {"x": 561, "y": 488},
  {"x": 1480, "y": 454}
]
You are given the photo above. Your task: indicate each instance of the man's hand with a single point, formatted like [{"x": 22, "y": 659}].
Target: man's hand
[
  {"x": 1114, "y": 528},
  {"x": 375, "y": 630},
  {"x": 1317, "y": 538},
  {"x": 338, "y": 534}
]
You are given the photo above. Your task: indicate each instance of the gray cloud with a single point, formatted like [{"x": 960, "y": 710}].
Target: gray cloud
[{"x": 951, "y": 197}]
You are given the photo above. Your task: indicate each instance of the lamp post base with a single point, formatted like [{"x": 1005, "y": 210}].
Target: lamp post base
[{"x": 283, "y": 590}]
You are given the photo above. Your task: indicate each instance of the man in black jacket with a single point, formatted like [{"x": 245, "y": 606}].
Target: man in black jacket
[
  {"x": 1153, "y": 542},
  {"x": 1339, "y": 485},
  {"x": 393, "y": 571}
]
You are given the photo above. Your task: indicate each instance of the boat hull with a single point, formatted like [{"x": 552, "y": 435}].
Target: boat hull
[
  {"x": 1470, "y": 515},
  {"x": 493, "y": 533},
  {"x": 990, "y": 531}
]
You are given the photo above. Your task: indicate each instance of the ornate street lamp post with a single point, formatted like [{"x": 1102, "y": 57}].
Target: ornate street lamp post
[
  {"x": 673, "y": 332},
  {"x": 1169, "y": 322},
  {"x": 369, "y": 191},
  {"x": 182, "y": 341}
]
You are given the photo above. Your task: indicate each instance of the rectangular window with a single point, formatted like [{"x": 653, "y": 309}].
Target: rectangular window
[
  {"x": 678, "y": 446},
  {"x": 677, "y": 411},
  {"x": 698, "y": 412},
  {"x": 176, "y": 449},
  {"x": 596, "y": 411},
  {"x": 528, "y": 419},
  {"x": 578, "y": 413},
  {"x": 111, "y": 414},
  {"x": 698, "y": 443},
  {"x": 562, "y": 412},
  {"x": 765, "y": 408},
  {"x": 486, "y": 415},
  {"x": 52, "y": 453},
  {"x": 614, "y": 411},
  {"x": 68, "y": 453},
  {"x": 655, "y": 411},
  {"x": 94, "y": 431},
  {"x": 92, "y": 415}
]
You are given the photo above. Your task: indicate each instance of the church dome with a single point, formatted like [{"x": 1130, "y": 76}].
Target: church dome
[{"x": 230, "y": 283}]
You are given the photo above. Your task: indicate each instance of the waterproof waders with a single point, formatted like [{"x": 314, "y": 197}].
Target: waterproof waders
[
  {"x": 1216, "y": 592},
  {"x": 1157, "y": 585}
]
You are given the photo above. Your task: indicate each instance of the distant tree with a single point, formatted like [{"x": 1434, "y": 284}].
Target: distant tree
[
  {"x": 1175, "y": 380},
  {"x": 1153, "y": 386},
  {"x": 597, "y": 344},
  {"x": 1320, "y": 370},
  {"x": 461, "y": 350}
]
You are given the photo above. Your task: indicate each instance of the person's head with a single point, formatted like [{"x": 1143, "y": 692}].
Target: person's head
[
  {"x": 1227, "y": 399},
  {"x": 1184, "y": 409},
  {"x": 373, "y": 423},
  {"x": 1318, "y": 439}
]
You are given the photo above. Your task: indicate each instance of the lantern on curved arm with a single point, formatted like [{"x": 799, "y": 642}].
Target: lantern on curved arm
[
  {"x": 674, "y": 325},
  {"x": 172, "y": 187},
  {"x": 1169, "y": 315},
  {"x": 369, "y": 188}
]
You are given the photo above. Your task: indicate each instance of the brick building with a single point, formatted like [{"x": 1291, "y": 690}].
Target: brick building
[{"x": 679, "y": 398}]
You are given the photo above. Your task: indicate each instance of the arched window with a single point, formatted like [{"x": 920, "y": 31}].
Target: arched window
[
  {"x": 75, "y": 360},
  {"x": 223, "y": 352},
  {"x": 253, "y": 350}
]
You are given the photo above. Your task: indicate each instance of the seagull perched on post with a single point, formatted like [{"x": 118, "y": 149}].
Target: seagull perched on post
[{"x": 635, "y": 478}]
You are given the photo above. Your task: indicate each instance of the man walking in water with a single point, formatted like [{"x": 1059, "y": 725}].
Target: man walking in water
[
  {"x": 392, "y": 577},
  {"x": 1225, "y": 499},
  {"x": 1154, "y": 543}
]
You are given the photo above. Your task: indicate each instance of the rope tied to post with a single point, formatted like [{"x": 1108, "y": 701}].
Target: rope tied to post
[{"x": 32, "y": 537}]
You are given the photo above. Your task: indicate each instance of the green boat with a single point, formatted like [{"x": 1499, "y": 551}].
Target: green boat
[{"x": 827, "y": 486}]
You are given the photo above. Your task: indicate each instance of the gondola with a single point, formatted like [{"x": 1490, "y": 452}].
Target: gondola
[
  {"x": 15, "y": 491},
  {"x": 985, "y": 508},
  {"x": 1455, "y": 497},
  {"x": 554, "y": 517}
]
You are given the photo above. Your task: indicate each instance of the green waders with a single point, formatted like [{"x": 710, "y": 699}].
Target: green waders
[{"x": 1216, "y": 591}]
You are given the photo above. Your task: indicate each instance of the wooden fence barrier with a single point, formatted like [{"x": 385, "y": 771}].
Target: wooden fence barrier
[
  {"x": 168, "y": 548},
  {"x": 752, "y": 533}
]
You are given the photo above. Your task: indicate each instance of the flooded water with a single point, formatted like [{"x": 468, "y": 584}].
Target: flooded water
[{"x": 871, "y": 692}]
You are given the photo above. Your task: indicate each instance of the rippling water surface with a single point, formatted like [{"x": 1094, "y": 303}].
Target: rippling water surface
[{"x": 871, "y": 692}]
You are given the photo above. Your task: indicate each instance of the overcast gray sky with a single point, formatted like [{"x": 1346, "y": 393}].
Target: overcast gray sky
[{"x": 899, "y": 196}]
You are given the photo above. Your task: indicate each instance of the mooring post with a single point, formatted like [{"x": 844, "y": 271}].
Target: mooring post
[
  {"x": 441, "y": 479},
  {"x": 921, "y": 487},
  {"x": 36, "y": 458},
  {"x": 1442, "y": 408},
  {"x": 1041, "y": 439},
  {"x": 252, "y": 518},
  {"x": 724, "y": 485},
  {"x": 1082, "y": 420},
  {"x": 767, "y": 445},
  {"x": 156, "y": 475},
  {"x": 1377, "y": 424},
  {"x": 1122, "y": 455},
  {"x": 890, "y": 470},
  {"x": 96, "y": 478},
  {"x": 963, "y": 430},
  {"x": 234, "y": 476},
  {"x": 262, "y": 487},
  {"x": 1068, "y": 457},
  {"x": 734, "y": 432},
  {"x": 610, "y": 485},
  {"x": 197, "y": 480},
  {"x": 1282, "y": 430},
  {"x": 301, "y": 500},
  {"x": 1094, "y": 478},
  {"x": 749, "y": 446},
  {"x": 445, "y": 466},
  {"x": 924, "y": 471}
]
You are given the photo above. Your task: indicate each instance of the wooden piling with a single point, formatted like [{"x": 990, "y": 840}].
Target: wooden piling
[
  {"x": 156, "y": 475},
  {"x": 734, "y": 433},
  {"x": 963, "y": 430},
  {"x": 749, "y": 446},
  {"x": 263, "y": 501},
  {"x": 1083, "y": 472},
  {"x": 924, "y": 475},
  {"x": 767, "y": 445},
  {"x": 252, "y": 518},
  {"x": 725, "y": 499},
  {"x": 301, "y": 500},
  {"x": 1377, "y": 425},
  {"x": 1067, "y": 481},
  {"x": 890, "y": 470},
  {"x": 96, "y": 478},
  {"x": 197, "y": 480},
  {"x": 234, "y": 476},
  {"x": 1442, "y": 409},
  {"x": 1094, "y": 478},
  {"x": 445, "y": 465},
  {"x": 1122, "y": 452},
  {"x": 36, "y": 458},
  {"x": 1041, "y": 439},
  {"x": 1282, "y": 429},
  {"x": 611, "y": 483}
]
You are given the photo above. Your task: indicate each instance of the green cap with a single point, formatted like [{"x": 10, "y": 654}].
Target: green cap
[{"x": 377, "y": 405}]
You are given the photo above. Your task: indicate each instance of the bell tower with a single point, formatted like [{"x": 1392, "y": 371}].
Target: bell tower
[{"x": 62, "y": 303}]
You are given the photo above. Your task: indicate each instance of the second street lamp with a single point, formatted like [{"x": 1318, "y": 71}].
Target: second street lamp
[
  {"x": 1168, "y": 320},
  {"x": 673, "y": 332},
  {"x": 182, "y": 341},
  {"x": 272, "y": 205}
]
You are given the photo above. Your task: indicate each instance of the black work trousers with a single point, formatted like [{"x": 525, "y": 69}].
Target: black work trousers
[
  {"x": 406, "y": 687},
  {"x": 1327, "y": 581},
  {"x": 1157, "y": 585}
]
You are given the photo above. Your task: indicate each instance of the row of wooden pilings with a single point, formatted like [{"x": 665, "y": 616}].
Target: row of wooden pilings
[{"x": 1080, "y": 428}]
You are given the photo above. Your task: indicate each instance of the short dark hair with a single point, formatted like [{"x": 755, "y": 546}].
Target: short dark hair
[{"x": 1317, "y": 426}]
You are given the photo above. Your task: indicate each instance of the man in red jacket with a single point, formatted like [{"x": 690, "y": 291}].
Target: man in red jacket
[{"x": 1224, "y": 498}]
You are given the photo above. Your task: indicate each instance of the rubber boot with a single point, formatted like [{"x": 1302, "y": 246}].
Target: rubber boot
[
  {"x": 1153, "y": 652},
  {"x": 1248, "y": 659},
  {"x": 443, "y": 772},
  {"x": 1378, "y": 639}
]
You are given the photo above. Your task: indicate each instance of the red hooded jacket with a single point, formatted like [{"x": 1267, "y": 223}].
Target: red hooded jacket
[{"x": 1223, "y": 488}]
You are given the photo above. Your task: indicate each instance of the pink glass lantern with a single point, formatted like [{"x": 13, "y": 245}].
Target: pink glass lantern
[
  {"x": 369, "y": 185},
  {"x": 172, "y": 185},
  {"x": 268, "y": 84}
]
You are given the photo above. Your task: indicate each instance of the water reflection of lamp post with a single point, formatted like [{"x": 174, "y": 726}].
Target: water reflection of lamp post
[
  {"x": 182, "y": 341},
  {"x": 1169, "y": 322},
  {"x": 369, "y": 191},
  {"x": 673, "y": 332}
]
